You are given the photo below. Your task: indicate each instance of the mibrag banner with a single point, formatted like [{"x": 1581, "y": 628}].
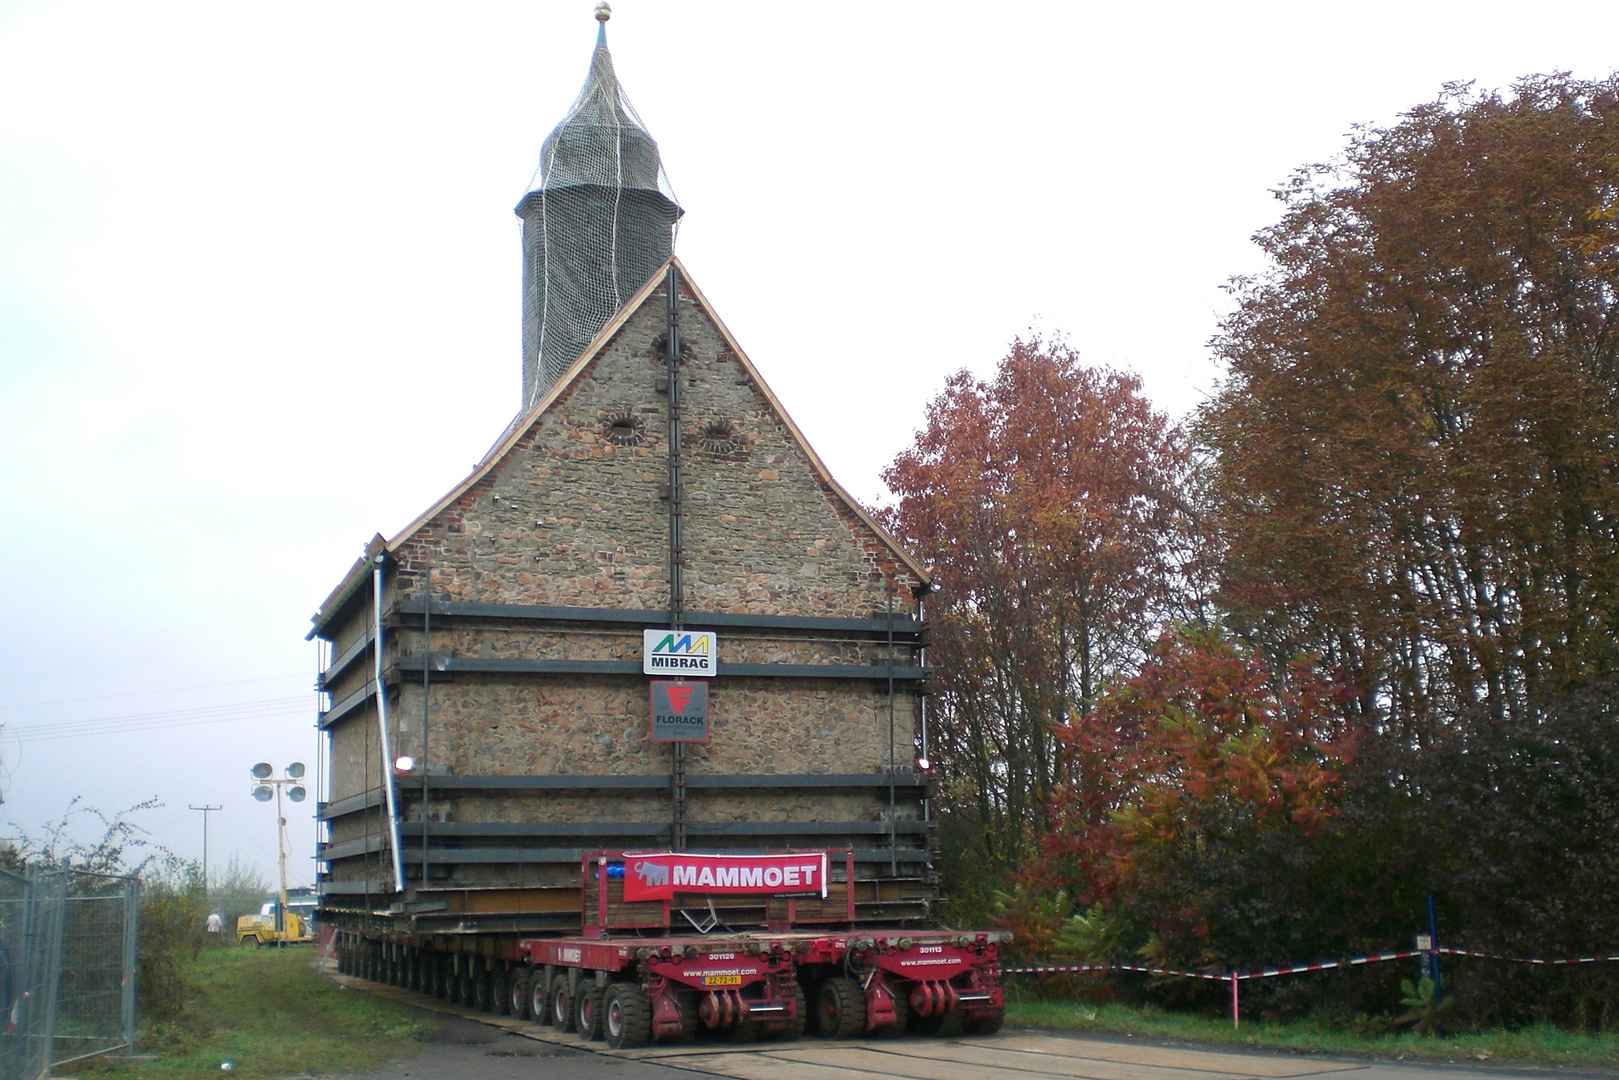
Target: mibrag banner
[{"x": 659, "y": 875}]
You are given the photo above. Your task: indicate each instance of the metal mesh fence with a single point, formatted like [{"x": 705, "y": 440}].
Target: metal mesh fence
[{"x": 67, "y": 969}]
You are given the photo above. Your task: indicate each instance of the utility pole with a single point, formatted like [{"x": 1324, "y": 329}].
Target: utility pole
[{"x": 206, "y": 810}]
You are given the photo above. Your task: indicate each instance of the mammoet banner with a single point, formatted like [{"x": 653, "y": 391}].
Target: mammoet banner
[{"x": 659, "y": 875}]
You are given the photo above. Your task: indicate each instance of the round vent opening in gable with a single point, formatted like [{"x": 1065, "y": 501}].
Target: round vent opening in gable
[
  {"x": 622, "y": 428},
  {"x": 720, "y": 437}
]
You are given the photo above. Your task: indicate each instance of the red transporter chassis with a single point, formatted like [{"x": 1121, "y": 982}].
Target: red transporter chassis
[
  {"x": 637, "y": 990},
  {"x": 626, "y": 978}
]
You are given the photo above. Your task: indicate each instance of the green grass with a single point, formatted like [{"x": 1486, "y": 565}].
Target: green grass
[
  {"x": 270, "y": 1014},
  {"x": 1542, "y": 1044}
]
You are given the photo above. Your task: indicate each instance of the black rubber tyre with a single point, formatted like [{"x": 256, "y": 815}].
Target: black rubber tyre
[
  {"x": 690, "y": 1023},
  {"x": 561, "y": 1004},
  {"x": 626, "y": 1016},
  {"x": 441, "y": 978},
  {"x": 467, "y": 988},
  {"x": 483, "y": 991},
  {"x": 539, "y": 998},
  {"x": 517, "y": 989},
  {"x": 840, "y": 1009},
  {"x": 500, "y": 994},
  {"x": 800, "y": 1021},
  {"x": 987, "y": 1025},
  {"x": 587, "y": 1011}
]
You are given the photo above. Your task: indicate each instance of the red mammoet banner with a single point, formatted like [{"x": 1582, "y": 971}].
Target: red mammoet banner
[{"x": 659, "y": 875}]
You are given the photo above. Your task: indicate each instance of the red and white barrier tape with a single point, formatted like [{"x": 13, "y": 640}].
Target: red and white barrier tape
[
  {"x": 1235, "y": 978},
  {"x": 1296, "y": 969},
  {"x": 1447, "y": 951}
]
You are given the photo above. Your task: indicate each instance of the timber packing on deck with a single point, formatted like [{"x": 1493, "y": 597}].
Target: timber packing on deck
[{"x": 518, "y": 815}]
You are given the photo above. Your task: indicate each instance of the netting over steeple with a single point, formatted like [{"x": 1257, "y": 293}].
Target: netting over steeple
[{"x": 598, "y": 220}]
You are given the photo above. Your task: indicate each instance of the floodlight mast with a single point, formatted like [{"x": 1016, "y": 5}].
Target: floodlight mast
[{"x": 264, "y": 777}]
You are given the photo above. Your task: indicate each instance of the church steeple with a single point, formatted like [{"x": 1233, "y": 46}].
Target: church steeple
[{"x": 599, "y": 218}]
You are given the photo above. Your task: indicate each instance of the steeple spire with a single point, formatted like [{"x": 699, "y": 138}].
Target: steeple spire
[{"x": 598, "y": 220}]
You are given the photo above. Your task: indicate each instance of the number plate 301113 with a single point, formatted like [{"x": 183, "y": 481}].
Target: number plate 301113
[{"x": 722, "y": 980}]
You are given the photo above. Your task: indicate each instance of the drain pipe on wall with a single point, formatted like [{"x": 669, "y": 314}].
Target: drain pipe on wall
[{"x": 382, "y": 725}]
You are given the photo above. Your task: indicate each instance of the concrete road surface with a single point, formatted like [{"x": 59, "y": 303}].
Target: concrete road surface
[{"x": 478, "y": 1046}]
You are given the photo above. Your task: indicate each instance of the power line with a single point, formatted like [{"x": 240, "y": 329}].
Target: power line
[
  {"x": 212, "y": 714},
  {"x": 169, "y": 690}
]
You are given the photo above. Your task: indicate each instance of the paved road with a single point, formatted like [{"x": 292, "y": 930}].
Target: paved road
[{"x": 477, "y": 1046}]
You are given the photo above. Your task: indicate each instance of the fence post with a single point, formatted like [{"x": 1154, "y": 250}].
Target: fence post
[
  {"x": 132, "y": 908},
  {"x": 1236, "y": 1014},
  {"x": 56, "y": 922}
]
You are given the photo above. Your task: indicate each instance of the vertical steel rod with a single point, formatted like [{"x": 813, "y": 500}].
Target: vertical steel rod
[
  {"x": 676, "y": 541},
  {"x": 382, "y": 728},
  {"x": 427, "y": 667}
]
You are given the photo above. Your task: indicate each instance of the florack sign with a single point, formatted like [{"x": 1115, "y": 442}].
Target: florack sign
[{"x": 679, "y": 711}]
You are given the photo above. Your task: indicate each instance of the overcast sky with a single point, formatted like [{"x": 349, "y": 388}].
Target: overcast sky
[{"x": 259, "y": 279}]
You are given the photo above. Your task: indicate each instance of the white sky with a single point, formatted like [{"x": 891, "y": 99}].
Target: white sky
[{"x": 259, "y": 279}]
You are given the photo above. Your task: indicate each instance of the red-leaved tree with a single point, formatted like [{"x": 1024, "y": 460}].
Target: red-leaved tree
[{"x": 1050, "y": 503}]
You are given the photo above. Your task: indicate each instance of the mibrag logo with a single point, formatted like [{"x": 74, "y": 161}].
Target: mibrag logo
[
  {"x": 686, "y": 643},
  {"x": 679, "y": 652}
]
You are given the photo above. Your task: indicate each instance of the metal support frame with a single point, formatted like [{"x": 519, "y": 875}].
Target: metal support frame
[
  {"x": 411, "y": 608},
  {"x": 480, "y": 665},
  {"x": 677, "y": 587}
]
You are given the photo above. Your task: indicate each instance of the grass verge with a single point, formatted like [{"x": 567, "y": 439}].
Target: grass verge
[
  {"x": 268, "y": 1013},
  {"x": 1540, "y": 1044}
]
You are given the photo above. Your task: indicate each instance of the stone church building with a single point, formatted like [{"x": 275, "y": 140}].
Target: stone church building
[{"x": 487, "y": 721}]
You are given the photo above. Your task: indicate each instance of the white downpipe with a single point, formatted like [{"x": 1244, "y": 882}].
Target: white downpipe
[{"x": 382, "y": 725}]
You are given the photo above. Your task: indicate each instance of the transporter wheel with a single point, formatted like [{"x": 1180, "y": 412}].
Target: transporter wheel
[
  {"x": 561, "y": 1004},
  {"x": 795, "y": 1029},
  {"x": 686, "y": 1002},
  {"x": 517, "y": 990},
  {"x": 466, "y": 987},
  {"x": 500, "y": 995},
  {"x": 626, "y": 1016},
  {"x": 483, "y": 991},
  {"x": 987, "y": 1025},
  {"x": 840, "y": 1009},
  {"x": 342, "y": 958},
  {"x": 902, "y": 1013},
  {"x": 414, "y": 963},
  {"x": 587, "y": 1012},
  {"x": 441, "y": 978},
  {"x": 539, "y": 998}
]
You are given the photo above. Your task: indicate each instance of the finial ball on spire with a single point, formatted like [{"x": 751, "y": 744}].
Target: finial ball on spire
[{"x": 604, "y": 11}]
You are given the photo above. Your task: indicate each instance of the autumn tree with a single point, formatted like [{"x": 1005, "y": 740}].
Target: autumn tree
[
  {"x": 1049, "y": 502},
  {"x": 1187, "y": 788},
  {"x": 1417, "y": 439}
]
